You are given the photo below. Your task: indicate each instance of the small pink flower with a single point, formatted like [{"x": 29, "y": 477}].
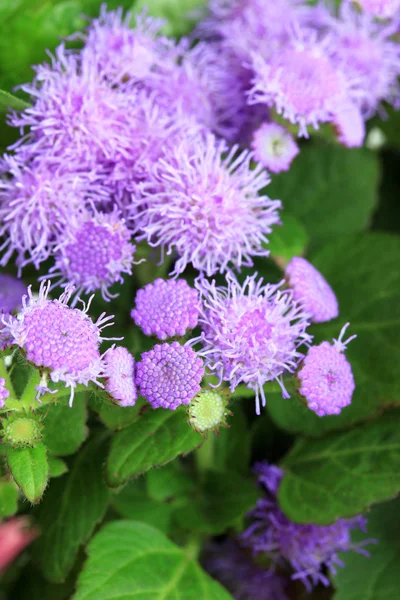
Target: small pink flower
[{"x": 15, "y": 535}]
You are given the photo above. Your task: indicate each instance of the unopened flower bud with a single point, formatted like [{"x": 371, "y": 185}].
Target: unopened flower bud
[{"x": 208, "y": 411}]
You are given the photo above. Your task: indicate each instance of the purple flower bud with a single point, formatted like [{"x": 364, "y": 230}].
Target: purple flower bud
[
  {"x": 119, "y": 373},
  {"x": 326, "y": 378},
  {"x": 311, "y": 290},
  {"x": 11, "y": 292},
  {"x": 307, "y": 548},
  {"x": 166, "y": 308},
  {"x": 63, "y": 340},
  {"x": 274, "y": 147},
  {"x": 209, "y": 210},
  {"x": 94, "y": 253},
  {"x": 169, "y": 375},
  {"x": 251, "y": 332},
  {"x": 4, "y": 393}
]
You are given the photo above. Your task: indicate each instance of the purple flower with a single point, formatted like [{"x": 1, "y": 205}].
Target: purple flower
[
  {"x": 365, "y": 50},
  {"x": 169, "y": 375},
  {"x": 307, "y": 548},
  {"x": 61, "y": 340},
  {"x": 119, "y": 374},
  {"x": 11, "y": 292},
  {"x": 232, "y": 566},
  {"x": 166, "y": 308},
  {"x": 251, "y": 333},
  {"x": 4, "y": 393},
  {"x": 274, "y": 147},
  {"x": 384, "y": 9},
  {"x": 123, "y": 54},
  {"x": 208, "y": 209},
  {"x": 94, "y": 253},
  {"x": 349, "y": 125},
  {"x": 326, "y": 378},
  {"x": 301, "y": 82},
  {"x": 311, "y": 290},
  {"x": 6, "y": 338},
  {"x": 36, "y": 202}
]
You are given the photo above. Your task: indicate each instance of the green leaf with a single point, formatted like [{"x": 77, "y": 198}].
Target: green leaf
[
  {"x": 133, "y": 561},
  {"x": 8, "y": 499},
  {"x": 57, "y": 466},
  {"x": 30, "y": 470},
  {"x": 288, "y": 240},
  {"x": 180, "y": 15},
  {"x": 156, "y": 438},
  {"x": 376, "y": 577},
  {"x": 8, "y": 101},
  {"x": 330, "y": 189},
  {"x": 222, "y": 502},
  {"x": 169, "y": 483},
  {"x": 342, "y": 474},
  {"x": 232, "y": 446},
  {"x": 73, "y": 506},
  {"x": 114, "y": 417},
  {"x": 65, "y": 426},
  {"x": 363, "y": 271},
  {"x": 134, "y": 503}
]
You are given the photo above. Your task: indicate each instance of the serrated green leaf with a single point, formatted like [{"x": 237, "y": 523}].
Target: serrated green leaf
[
  {"x": 288, "y": 240},
  {"x": 73, "y": 506},
  {"x": 57, "y": 466},
  {"x": 134, "y": 503},
  {"x": 222, "y": 501},
  {"x": 8, "y": 499},
  {"x": 330, "y": 189},
  {"x": 30, "y": 470},
  {"x": 155, "y": 439},
  {"x": 375, "y": 577},
  {"x": 114, "y": 417},
  {"x": 135, "y": 561},
  {"x": 65, "y": 427},
  {"x": 342, "y": 474},
  {"x": 10, "y": 102}
]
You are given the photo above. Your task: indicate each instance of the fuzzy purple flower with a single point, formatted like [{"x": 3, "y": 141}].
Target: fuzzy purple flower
[
  {"x": 208, "y": 209},
  {"x": 232, "y": 566},
  {"x": 166, "y": 308},
  {"x": 124, "y": 54},
  {"x": 169, "y": 375},
  {"x": 307, "y": 548},
  {"x": 301, "y": 82},
  {"x": 311, "y": 290},
  {"x": 11, "y": 292},
  {"x": 384, "y": 9},
  {"x": 4, "y": 393},
  {"x": 119, "y": 374},
  {"x": 326, "y": 378},
  {"x": 63, "y": 341},
  {"x": 365, "y": 50},
  {"x": 349, "y": 126},
  {"x": 274, "y": 147},
  {"x": 94, "y": 253},
  {"x": 251, "y": 333}
]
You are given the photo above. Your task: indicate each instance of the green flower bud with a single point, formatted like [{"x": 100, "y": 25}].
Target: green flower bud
[
  {"x": 22, "y": 431},
  {"x": 208, "y": 411}
]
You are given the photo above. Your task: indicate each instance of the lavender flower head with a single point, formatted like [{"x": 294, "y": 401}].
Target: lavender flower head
[
  {"x": 166, "y": 308},
  {"x": 274, "y": 147},
  {"x": 326, "y": 378},
  {"x": 384, "y": 9},
  {"x": 208, "y": 209},
  {"x": 61, "y": 340},
  {"x": 349, "y": 125},
  {"x": 4, "y": 393},
  {"x": 251, "y": 333},
  {"x": 307, "y": 548},
  {"x": 301, "y": 83},
  {"x": 232, "y": 566},
  {"x": 124, "y": 54},
  {"x": 169, "y": 375},
  {"x": 365, "y": 50},
  {"x": 311, "y": 290},
  {"x": 11, "y": 292},
  {"x": 119, "y": 374},
  {"x": 94, "y": 253}
]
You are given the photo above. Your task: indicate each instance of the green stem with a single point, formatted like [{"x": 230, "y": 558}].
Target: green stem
[
  {"x": 6, "y": 376},
  {"x": 205, "y": 455}
]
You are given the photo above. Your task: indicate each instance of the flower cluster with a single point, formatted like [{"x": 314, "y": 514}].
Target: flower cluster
[{"x": 307, "y": 548}]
